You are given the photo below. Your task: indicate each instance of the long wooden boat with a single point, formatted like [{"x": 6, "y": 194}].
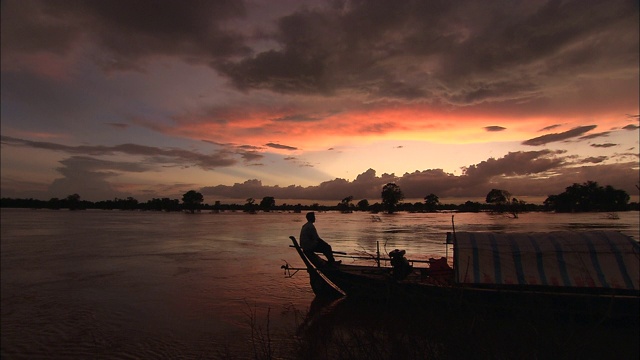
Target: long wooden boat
[{"x": 592, "y": 274}]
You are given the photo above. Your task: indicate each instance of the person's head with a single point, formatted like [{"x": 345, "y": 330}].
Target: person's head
[{"x": 311, "y": 216}]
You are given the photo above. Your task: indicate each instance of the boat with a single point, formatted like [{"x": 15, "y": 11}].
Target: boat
[{"x": 588, "y": 275}]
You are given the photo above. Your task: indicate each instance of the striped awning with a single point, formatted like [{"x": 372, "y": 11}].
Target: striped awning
[{"x": 586, "y": 259}]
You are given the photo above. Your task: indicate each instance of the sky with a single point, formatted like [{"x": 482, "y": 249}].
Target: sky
[{"x": 315, "y": 101}]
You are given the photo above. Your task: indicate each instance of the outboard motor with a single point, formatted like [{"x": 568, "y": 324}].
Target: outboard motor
[{"x": 401, "y": 266}]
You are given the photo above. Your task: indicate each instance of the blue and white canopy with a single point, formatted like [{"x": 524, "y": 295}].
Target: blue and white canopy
[{"x": 588, "y": 259}]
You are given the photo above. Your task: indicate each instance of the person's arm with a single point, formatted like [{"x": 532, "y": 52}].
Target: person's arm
[{"x": 314, "y": 233}]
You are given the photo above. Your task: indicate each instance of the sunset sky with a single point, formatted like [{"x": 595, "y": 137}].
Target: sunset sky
[{"x": 317, "y": 100}]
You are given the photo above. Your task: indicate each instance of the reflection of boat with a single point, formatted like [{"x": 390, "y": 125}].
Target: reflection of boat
[
  {"x": 355, "y": 328},
  {"x": 593, "y": 274}
]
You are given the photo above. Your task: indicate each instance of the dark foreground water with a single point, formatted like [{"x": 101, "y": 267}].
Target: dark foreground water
[{"x": 147, "y": 285}]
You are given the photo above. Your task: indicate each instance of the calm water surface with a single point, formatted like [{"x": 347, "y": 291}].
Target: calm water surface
[{"x": 137, "y": 285}]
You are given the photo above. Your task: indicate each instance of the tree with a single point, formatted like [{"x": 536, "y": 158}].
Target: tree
[
  {"x": 431, "y": 201},
  {"x": 250, "y": 205},
  {"x": 588, "y": 197},
  {"x": 363, "y": 204},
  {"x": 73, "y": 202},
  {"x": 516, "y": 206},
  {"x": 499, "y": 198},
  {"x": 267, "y": 203},
  {"x": 391, "y": 197},
  {"x": 191, "y": 200},
  {"x": 345, "y": 205}
]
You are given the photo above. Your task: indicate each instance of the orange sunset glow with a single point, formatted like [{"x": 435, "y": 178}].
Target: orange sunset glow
[{"x": 316, "y": 101}]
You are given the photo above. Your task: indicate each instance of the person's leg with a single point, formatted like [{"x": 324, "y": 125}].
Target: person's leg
[{"x": 326, "y": 249}]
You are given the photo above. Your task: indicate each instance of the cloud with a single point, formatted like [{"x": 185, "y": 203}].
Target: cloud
[
  {"x": 128, "y": 31},
  {"x": 152, "y": 154},
  {"x": 280, "y": 147},
  {"x": 594, "y": 159},
  {"x": 494, "y": 128},
  {"x": 596, "y": 135},
  {"x": 516, "y": 163},
  {"x": 249, "y": 156},
  {"x": 507, "y": 57},
  {"x": 549, "y": 138},
  {"x": 300, "y": 118},
  {"x": 550, "y": 127},
  {"x": 532, "y": 173},
  {"x": 607, "y": 145},
  {"x": 631, "y": 127},
  {"x": 87, "y": 175},
  {"x": 458, "y": 53}
]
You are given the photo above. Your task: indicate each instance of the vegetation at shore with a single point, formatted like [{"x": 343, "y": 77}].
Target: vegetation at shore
[{"x": 587, "y": 197}]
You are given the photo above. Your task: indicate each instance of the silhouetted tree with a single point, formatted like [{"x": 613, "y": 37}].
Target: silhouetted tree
[
  {"x": 516, "y": 207},
  {"x": 191, "y": 200},
  {"x": 391, "y": 197},
  {"x": 73, "y": 202},
  {"x": 431, "y": 201},
  {"x": 363, "y": 205},
  {"x": 54, "y": 203},
  {"x": 499, "y": 198},
  {"x": 471, "y": 206},
  {"x": 588, "y": 197},
  {"x": 164, "y": 204},
  {"x": 250, "y": 205},
  {"x": 122, "y": 204},
  {"x": 345, "y": 205},
  {"x": 267, "y": 203}
]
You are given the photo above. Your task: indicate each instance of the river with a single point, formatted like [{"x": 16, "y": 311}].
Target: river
[{"x": 139, "y": 285}]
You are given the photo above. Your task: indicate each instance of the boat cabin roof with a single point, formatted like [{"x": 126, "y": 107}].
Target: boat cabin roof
[{"x": 585, "y": 259}]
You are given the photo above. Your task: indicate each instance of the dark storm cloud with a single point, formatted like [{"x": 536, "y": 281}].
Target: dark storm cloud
[
  {"x": 494, "y": 128},
  {"x": 279, "y": 146},
  {"x": 461, "y": 52},
  {"x": 444, "y": 52},
  {"x": 549, "y": 138},
  {"x": 130, "y": 30},
  {"x": 152, "y": 154}
]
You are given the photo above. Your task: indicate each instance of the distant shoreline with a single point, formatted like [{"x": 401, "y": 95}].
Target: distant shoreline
[{"x": 175, "y": 206}]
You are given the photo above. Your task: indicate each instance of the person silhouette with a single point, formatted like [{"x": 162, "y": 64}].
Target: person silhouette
[{"x": 311, "y": 242}]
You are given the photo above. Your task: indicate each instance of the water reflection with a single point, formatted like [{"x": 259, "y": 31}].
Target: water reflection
[{"x": 347, "y": 328}]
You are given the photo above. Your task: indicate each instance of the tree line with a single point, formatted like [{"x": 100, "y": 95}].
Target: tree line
[{"x": 584, "y": 197}]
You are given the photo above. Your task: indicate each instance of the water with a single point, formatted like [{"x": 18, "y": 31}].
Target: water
[{"x": 137, "y": 285}]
